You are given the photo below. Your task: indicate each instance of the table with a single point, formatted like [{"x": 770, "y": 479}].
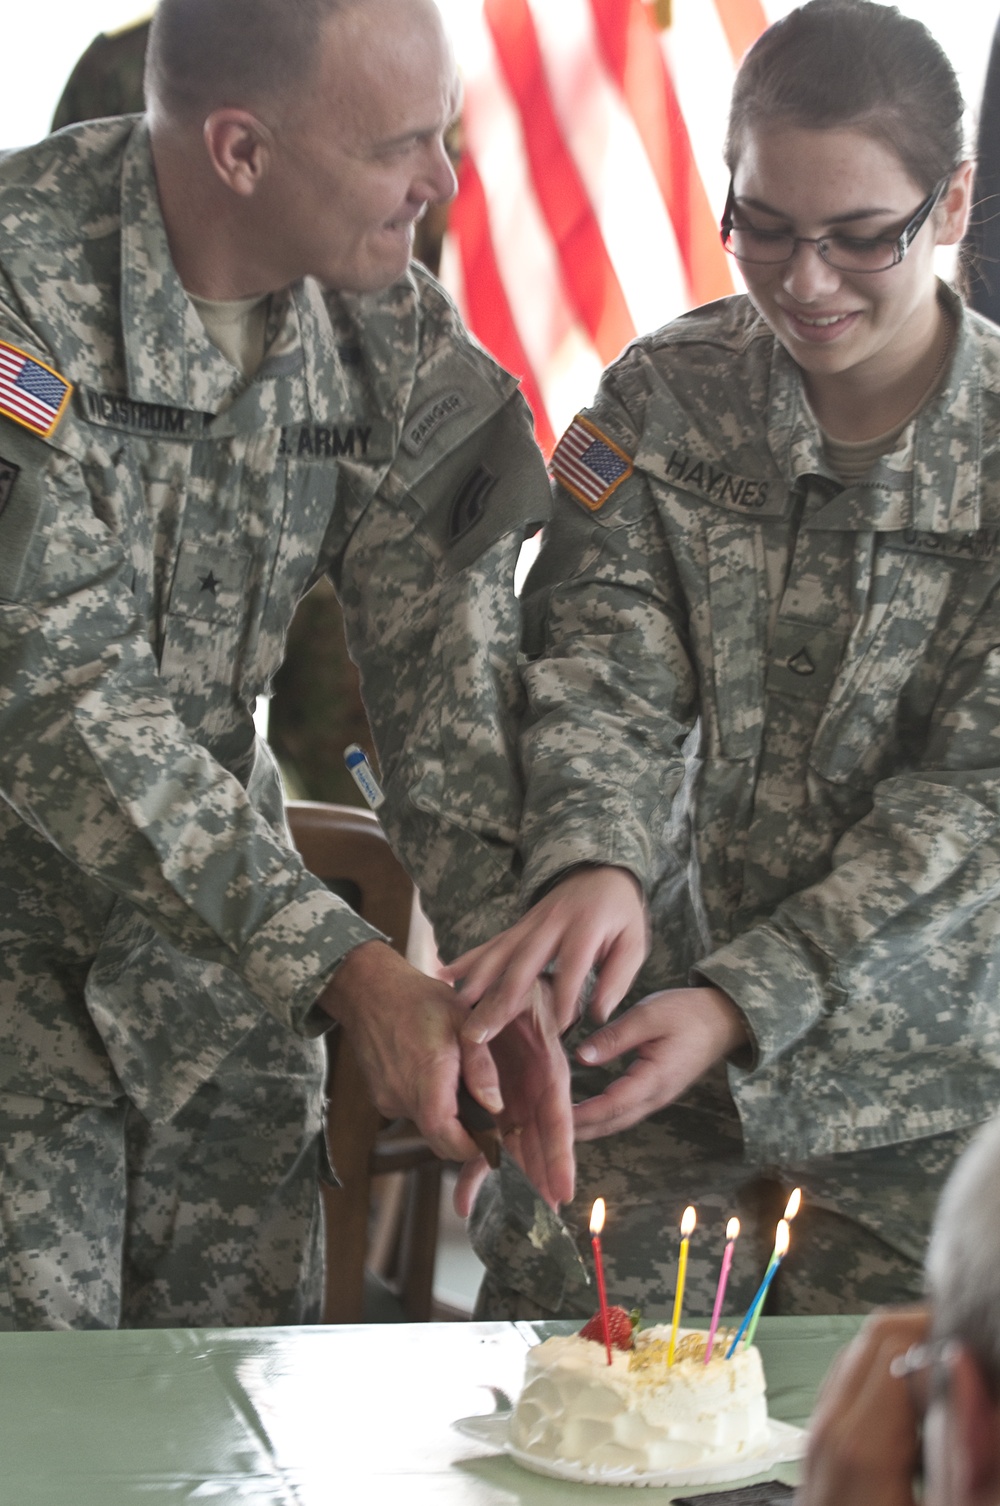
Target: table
[{"x": 304, "y": 1417}]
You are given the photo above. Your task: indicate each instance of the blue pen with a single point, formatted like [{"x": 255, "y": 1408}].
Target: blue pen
[{"x": 363, "y": 775}]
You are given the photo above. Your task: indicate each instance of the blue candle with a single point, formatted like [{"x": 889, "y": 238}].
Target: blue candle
[{"x": 753, "y": 1311}]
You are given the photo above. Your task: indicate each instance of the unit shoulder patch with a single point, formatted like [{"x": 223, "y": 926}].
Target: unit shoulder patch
[
  {"x": 31, "y": 393},
  {"x": 589, "y": 464}
]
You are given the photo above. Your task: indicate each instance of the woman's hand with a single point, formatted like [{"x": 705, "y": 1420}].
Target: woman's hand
[
  {"x": 677, "y": 1035},
  {"x": 594, "y": 918},
  {"x": 537, "y": 1117}
]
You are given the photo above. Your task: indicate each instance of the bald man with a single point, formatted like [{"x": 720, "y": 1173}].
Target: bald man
[{"x": 220, "y": 379}]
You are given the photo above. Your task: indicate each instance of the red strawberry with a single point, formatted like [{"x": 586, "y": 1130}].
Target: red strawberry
[{"x": 620, "y": 1327}]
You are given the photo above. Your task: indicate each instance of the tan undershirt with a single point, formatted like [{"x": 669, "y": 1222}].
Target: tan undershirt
[
  {"x": 238, "y": 326},
  {"x": 852, "y": 459}
]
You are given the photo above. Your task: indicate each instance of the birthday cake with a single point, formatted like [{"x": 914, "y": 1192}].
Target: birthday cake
[{"x": 640, "y": 1413}]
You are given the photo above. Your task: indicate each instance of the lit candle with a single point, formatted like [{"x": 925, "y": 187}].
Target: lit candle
[
  {"x": 687, "y": 1229},
  {"x": 793, "y": 1205},
  {"x": 749, "y": 1324},
  {"x": 596, "y": 1225},
  {"x": 732, "y": 1235}
]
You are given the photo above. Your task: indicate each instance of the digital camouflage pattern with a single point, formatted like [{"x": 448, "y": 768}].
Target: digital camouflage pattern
[
  {"x": 220, "y": 1203},
  {"x": 857, "y": 1243},
  {"x": 151, "y": 556},
  {"x": 776, "y": 699}
]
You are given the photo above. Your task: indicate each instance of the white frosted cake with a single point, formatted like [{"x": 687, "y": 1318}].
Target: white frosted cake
[{"x": 638, "y": 1413}]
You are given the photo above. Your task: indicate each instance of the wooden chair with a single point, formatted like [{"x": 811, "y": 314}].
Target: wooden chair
[{"x": 346, "y": 847}]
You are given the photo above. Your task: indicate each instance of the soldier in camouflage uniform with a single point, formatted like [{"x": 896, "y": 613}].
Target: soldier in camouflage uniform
[
  {"x": 763, "y": 681},
  {"x": 167, "y": 965}
]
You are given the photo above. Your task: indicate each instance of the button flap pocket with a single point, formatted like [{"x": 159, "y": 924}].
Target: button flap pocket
[{"x": 209, "y": 582}]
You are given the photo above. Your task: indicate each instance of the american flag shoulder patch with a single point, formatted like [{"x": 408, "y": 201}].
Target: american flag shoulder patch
[
  {"x": 589, "y": 465},
  {"x": 31, "y": 393}
]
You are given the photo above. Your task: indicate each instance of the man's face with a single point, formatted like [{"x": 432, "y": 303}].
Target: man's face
[{"x": 357, "y": 163}]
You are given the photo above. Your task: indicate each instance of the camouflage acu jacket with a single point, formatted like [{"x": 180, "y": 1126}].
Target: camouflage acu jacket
[
  {"x": 152, "y": 550},
  {"x": 776, "y": 699}
]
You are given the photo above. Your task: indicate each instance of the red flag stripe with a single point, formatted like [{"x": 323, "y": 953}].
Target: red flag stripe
[
  {"x": 588, "y": 274},
  {"x": 488, "y": 310},
  {"x": 742, "y": 21},
  {"x": 633, "y": 57}
]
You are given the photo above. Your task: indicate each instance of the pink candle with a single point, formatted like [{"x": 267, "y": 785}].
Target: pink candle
[
  {"x": 596, "y": 1225},
  {"x": 732, "y": 1234}
]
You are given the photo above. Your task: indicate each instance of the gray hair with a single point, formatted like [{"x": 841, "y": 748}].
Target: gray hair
[
  {"x": 963, "y": 1257},
  {"x": 204, "y": 54}
]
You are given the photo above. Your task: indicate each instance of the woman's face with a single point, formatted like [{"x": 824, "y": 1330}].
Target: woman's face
[{"x": 812, "y": 182}]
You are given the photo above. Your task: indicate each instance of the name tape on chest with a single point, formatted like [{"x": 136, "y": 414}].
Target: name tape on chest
[
  {"x": 589, "y": 465},
  {"x": 113, "y": 411},
  {"x": 31, "y": 393},
  {"x": 716, "y": 484}
]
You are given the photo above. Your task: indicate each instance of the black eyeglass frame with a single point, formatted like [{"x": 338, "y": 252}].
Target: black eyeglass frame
[{"x": 900, "y": 244}]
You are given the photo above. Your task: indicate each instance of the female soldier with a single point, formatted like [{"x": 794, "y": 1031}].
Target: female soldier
[{"x": 764, "y": 689}]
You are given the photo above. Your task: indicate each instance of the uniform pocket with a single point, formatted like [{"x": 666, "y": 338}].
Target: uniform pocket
[
  {"x": 737, "y": 591},
  {"x": 205, "y": 619}
]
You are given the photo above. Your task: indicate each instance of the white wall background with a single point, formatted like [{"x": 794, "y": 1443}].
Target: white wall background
[{"x": 40, "y": 46}]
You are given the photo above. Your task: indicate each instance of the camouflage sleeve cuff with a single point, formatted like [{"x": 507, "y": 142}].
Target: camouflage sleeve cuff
[
  {"x": 291, "y": 956},
  {"x": 589, "y": 843},
  {"x": 779, "y": 985}
]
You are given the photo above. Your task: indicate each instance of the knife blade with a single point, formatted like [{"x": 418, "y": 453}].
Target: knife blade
[{"x": 511, "y": 1220}]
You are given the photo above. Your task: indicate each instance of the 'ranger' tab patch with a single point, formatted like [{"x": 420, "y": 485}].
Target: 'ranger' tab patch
[
  {"x": 589, "y": 465},
  {"x": 31, "y": 393},
  {"x": 422, "y": 427}
]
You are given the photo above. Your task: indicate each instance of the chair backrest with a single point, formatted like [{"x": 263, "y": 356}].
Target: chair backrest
[{"x": 343, "y": 844}]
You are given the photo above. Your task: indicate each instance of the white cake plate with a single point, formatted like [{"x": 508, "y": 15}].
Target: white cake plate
[{"x": 782, "y": 1444}]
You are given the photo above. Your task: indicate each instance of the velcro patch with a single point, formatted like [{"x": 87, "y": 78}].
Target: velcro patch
[
  {"x": 421, "y": 428},
  {"x": 9, "y": 473},
  {"x": 980, "y": 545},
  {"x": 31, "y": 393},
  {"x": 589, "y": 465}
]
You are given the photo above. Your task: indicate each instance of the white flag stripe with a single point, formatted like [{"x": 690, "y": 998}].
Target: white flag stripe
[
  {"x": 612, "y": 162},
  {"x": 526, "y": 257},
  {"x": 701, "y": 66}
]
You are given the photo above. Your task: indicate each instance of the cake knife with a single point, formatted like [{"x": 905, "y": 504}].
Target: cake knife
[{"x": 514, "y": 1227}]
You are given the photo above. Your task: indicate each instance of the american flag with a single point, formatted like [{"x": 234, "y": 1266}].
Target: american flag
[
  {"x": 30, "y": 393},
  {"x": 592, "y": 179},
  {"x": 588, "y": 464}
]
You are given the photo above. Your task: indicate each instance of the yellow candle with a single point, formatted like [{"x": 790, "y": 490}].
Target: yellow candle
[{"x": 687, "y": 1229}]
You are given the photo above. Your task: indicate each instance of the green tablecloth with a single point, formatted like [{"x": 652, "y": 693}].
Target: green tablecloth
[{"x": 302, "y": 1417}]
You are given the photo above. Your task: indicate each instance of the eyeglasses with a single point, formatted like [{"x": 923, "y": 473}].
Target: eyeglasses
[
  {"x": 847, "y": 253},
  {"x": 924, "y": 1367}
]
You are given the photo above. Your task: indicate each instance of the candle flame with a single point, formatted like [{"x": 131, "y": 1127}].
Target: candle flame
[
  {"x": 782, "y": 1235},
  {"x": 794, "y": 1204},
  {"x": 597, "y": 1217},
  {"x": 733, "y": 1229},
  {"x": 688, "y": 1222}
]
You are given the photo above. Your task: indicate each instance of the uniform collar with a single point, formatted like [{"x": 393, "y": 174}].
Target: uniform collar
[{"x": 930, "y": 483}]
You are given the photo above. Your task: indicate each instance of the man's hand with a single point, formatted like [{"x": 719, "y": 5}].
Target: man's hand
[
  {"x": 864, "y": 1445},
  {"x": 677, "y": 1035},
  {"x": 405, "y": 1028},
  {"x": 537, "y": 1118},
  {"x": 595, "y": 918}
]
